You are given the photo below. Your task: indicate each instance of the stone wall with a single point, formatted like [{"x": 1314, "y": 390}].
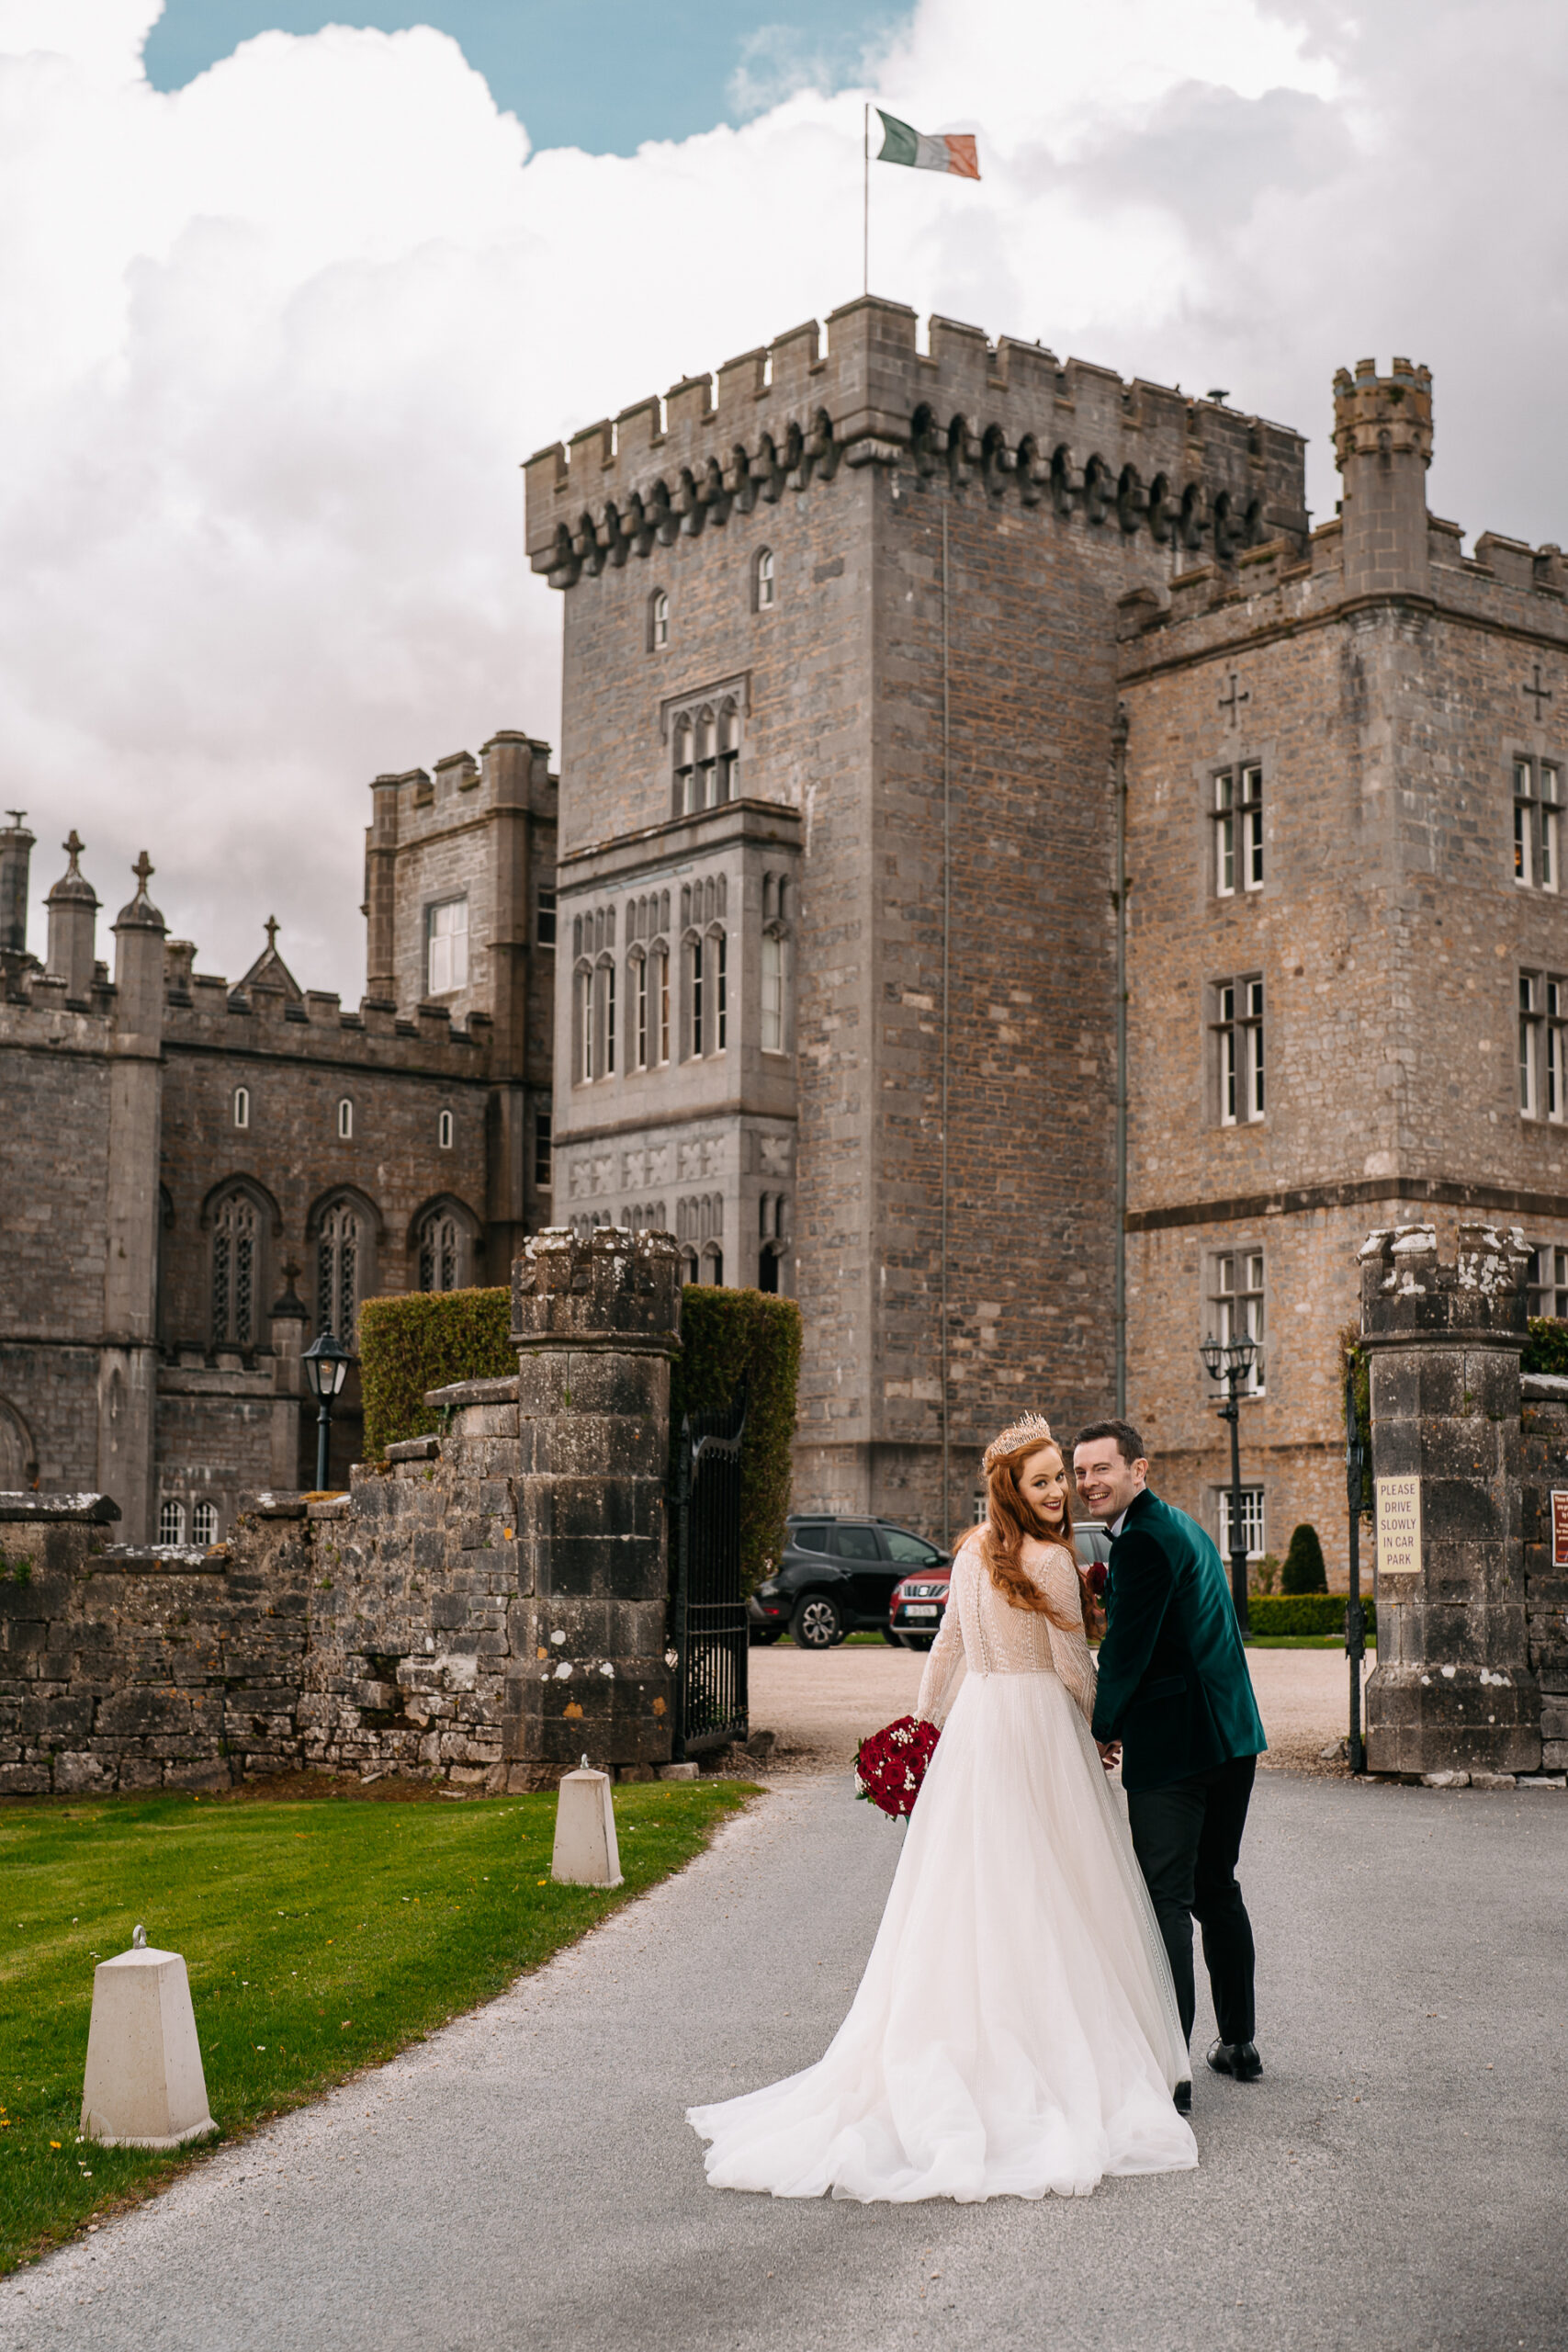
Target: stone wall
[
  {"x": 1544, "y": 1466},
  {"x": 125, "y": 1667},
  {"x": 484, "y": 1607}
]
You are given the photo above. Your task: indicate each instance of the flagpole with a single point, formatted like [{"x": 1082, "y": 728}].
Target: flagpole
[{"x": 865, "y": 196}]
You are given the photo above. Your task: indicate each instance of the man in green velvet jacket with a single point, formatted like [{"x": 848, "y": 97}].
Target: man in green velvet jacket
[{"x": 1175, "y": 1702}]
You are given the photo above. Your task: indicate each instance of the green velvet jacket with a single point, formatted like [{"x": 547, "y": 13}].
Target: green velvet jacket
[{"x": 1174, "y": 1687}]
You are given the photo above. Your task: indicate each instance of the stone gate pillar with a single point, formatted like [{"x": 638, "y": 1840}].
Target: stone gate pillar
[
  {"x": 1452, "y": 1689},
  {"x": 595, "y": 1323}
]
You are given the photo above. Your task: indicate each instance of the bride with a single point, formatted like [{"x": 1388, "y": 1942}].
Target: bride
[{"x": 1016, "y": 2031}]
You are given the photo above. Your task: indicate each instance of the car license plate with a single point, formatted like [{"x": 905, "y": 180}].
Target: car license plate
[{"x": 921, "y": 1608}]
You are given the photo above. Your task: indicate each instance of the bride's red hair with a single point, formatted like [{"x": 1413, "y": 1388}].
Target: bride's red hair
[{"x": 1009, "y": 1520}]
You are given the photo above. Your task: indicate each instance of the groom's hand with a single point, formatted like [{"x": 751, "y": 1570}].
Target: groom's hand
[{"x": 1110, "y": 1753}]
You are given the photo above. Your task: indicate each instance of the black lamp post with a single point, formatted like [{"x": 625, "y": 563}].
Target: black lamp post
[
  {"x": 1232, "y": 1360},
  {"x": 326, "y": 1362}
]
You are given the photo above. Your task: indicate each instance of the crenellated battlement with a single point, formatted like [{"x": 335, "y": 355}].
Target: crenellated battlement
[{"x": 1001, "y": 421}]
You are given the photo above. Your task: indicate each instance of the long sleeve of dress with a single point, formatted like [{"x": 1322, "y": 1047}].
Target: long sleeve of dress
[
  {"x": 946, "y": 1660},
  {"x": 1053, "y": 1569}
]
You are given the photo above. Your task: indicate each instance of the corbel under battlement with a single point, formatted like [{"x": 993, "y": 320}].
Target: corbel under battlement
[{"x": 997, "y": 420}]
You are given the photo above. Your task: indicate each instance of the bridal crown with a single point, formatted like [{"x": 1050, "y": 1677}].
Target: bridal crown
[{"x": 1033, "y": 1429}]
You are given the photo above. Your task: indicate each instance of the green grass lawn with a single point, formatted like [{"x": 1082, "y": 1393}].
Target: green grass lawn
[{"x": 319, "y": 1937}]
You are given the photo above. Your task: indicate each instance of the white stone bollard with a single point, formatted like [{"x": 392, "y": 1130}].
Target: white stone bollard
[
  {"x": 144, "y": 2086},
  {"x": 585, "y": 1853}
]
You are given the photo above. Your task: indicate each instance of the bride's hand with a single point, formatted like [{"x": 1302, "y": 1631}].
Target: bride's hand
[{"x": 1110, "y": 1753}]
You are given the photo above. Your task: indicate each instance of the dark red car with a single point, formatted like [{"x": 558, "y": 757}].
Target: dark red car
[{"x": 915, "y": 1612}]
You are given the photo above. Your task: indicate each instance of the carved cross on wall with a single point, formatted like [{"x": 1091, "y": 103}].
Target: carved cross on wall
[
  {"x": 1231, "y": 702},
  {"x": 143, "y": 870},
  {"x": 1540, "y": 694}
]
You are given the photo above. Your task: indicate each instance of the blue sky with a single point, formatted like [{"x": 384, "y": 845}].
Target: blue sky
[{"x": 603, "y": 75}]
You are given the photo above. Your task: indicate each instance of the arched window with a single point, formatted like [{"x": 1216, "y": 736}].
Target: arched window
[
  {"x": 713, "y": 1263},
  {"x": 203, "y": 1524},
  {"x": 339, "y": 1265},
  {"x": 764, "y": 574},
  {"x": 236, "y": 1272},
  {"x": 688, "y": 1273},
  {"x": 444, "y": 1131},
  {"x": 707, "y": 759},
  {"x": 662, "y": 994},
  {"x": 685, "y": 776},
  {"x": 773, "y": 992},
  {"x": 19, "y": 1467},
  {"x": 658, "y": 620},
  {"x": 171, "y": 1521},
  {"x": 606, "y": 1017},
  {"x": 695, "y": 978},
  {"x": 345, "y": 1119},
  {"x": 241, "y": 1106},
  {"x": 582, "y": 1020},
  {"x": 771, "y": 1242},
  {"x": 729, "y": 752},
  {"x": 719, "y": 956},
  {"x": 640, "y": 1010},
  {"x": 444, "y": 1242}
]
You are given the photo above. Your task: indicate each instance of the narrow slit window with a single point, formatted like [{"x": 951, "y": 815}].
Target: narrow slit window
[
  {"x": 345, "y": 1119},
  {"x": 696, "y": 1046},
  {"x": 767, "y": 585},
  {"x": 773, "y": 993},
  {"x": 241, "y": 1106},
  {"x": 542, "y": 1150},
  {"x": 721, "y": 991},
  {"x": 545, "y": 919},
  {"x": 444, "y": 1131}
]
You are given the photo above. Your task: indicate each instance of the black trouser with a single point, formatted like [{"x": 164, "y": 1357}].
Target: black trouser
[{"x": 1187, "y": 1838}]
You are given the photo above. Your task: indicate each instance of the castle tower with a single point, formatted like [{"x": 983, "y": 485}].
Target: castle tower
[
  {"x": 15, "y": 844},
  {"x": 73, "y": 922},
  {"x": 128, "y": 1359},
  {"x": 838, "y": 783},
  {"x": 1382, "y": 446}
]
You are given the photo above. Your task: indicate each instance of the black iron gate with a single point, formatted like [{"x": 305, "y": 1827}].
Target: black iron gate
[{"x": 709, "y": 1607}]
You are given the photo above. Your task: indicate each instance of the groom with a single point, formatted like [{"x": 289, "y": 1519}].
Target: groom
[{"x": 1175, "y": 1702}]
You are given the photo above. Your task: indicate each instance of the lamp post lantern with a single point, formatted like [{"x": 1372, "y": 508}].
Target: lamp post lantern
[
  {"x": 326, "y": 1362},
  {"x": 1232, "y": 1361}
]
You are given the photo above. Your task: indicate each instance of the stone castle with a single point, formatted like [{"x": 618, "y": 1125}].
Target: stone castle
[
  {"x": 1031, "y": 894},
  {"x": 1027, "y": 893},
  {"x": 197, "y": 1179}
]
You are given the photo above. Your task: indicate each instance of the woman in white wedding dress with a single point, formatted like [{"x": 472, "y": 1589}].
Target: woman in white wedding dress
[{"x": 1016, "y": 2031}]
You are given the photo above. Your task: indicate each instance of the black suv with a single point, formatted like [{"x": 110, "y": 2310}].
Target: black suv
[{"x": 836, "y": 1577}]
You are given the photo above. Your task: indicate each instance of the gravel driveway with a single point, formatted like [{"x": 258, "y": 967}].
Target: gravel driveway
[{"x": 821, "y": 1705}]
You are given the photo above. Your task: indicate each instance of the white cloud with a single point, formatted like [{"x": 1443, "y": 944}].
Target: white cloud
[{"x": 276, "y": 342}]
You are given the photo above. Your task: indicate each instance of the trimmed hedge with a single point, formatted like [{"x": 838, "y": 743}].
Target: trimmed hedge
[
  {"x": 427, "y": 1338},
  {"x": 1304, "y": 1613},
  {"x": 728, "y": 1336},
  {"x": 1546, "y": 1349},
  {"x": 430, "y": 1339}
]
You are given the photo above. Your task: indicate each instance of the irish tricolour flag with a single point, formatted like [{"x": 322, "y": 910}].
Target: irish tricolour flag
[{"x": 952, "y": 151}]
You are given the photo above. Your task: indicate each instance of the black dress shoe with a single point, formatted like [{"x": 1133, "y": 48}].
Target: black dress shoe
[
  {"x": 1182, "y": 2094},
  {"x": 1238, "y": 2059}
]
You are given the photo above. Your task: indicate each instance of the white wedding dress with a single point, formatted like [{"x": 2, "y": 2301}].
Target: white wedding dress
[{"x": 1016, "y": 2031}]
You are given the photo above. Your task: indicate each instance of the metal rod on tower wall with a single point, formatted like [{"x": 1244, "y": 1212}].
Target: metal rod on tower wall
[
  {"x": 946, "y": 915},
  {"x": 1120, "y": 770}
]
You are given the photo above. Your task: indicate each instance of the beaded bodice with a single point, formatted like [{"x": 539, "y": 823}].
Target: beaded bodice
[{"x": 982, "y": 1632}]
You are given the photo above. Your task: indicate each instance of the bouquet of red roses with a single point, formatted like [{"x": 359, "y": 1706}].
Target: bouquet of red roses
[{"x": 892, "y": 1764}]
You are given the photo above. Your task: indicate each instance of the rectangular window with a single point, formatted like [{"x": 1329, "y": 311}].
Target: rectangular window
[
  {"x": 773, "y": 993},
  {"x": 1537, "y": 819},
  {"x": 447, "y": 957},
  {"x": 1251, "y": 1522},
  {"x": 663, "y": 1004},
  {"x": 1236, "y": 1308},
  {"x": 1543, "y": 1046},
  {"x": 1238, "y": 830},
  {"x": 696, "y": 1047},
  {"x": 1548, "y": 1282},
  {"x": 721, "y": 991},
  {"x": 545, "y": 919},
  {"x": 608, "y": 993},
  {"x": 1237, "y": 1025},
  {"x": 640, "y": 983},
  {"x": 585, "y": 1025},
  {"x": 542, "y": 1150}
]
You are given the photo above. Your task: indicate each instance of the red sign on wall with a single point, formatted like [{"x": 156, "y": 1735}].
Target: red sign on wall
[{"x": 1559, "y": 1528}]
